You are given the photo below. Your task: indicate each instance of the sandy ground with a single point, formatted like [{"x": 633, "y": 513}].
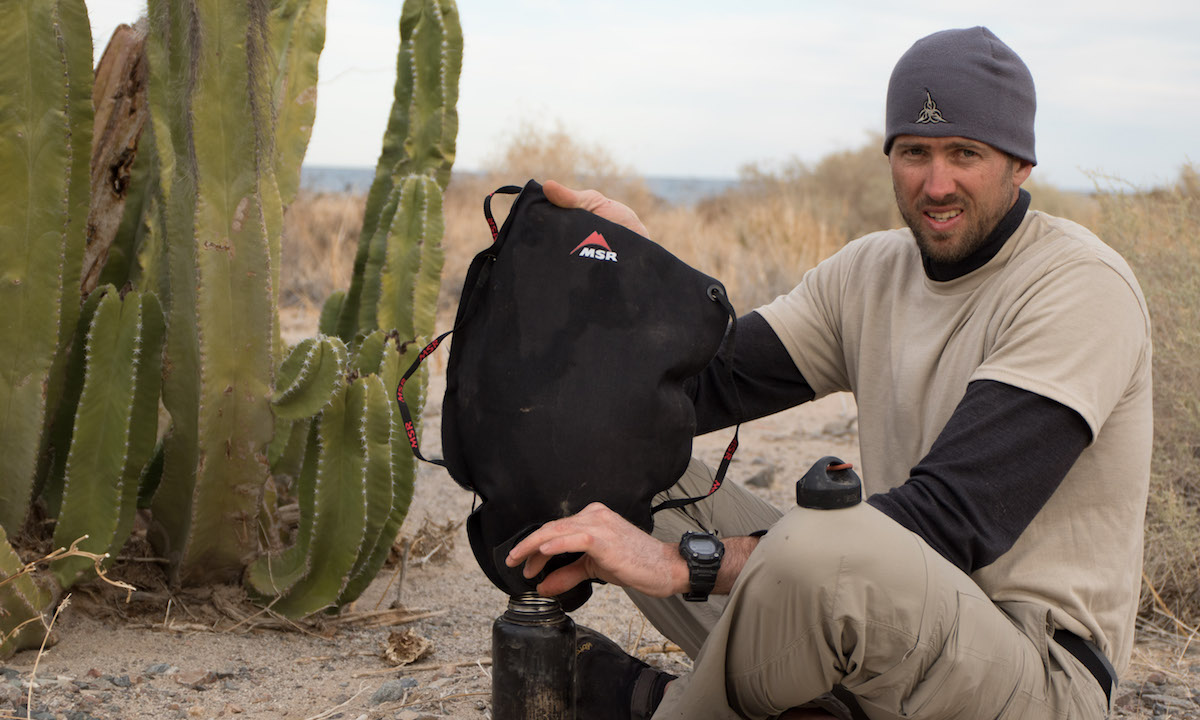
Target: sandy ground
[{"x": 204, "y": 655}]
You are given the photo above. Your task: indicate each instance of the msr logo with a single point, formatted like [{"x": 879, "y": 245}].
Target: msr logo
[{"x": 595, "y": 247}]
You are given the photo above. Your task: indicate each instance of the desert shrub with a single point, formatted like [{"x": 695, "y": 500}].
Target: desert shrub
[
  {"x": 1083, "y": 208},
  {"x": 1158, "y": 232},
  {"x": 320, "y": 234}
]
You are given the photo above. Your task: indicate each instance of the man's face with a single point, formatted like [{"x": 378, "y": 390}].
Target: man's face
[{"x": 952, "y": 191}]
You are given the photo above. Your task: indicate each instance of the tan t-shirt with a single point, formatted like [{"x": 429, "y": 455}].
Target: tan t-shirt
[{"x": 1056, "y": 312}]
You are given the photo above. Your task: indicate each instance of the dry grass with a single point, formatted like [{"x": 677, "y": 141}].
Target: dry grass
[
  {"x": 759, "y": 238},
  {"x": 1159, "y": 234},
  {"x": 320, "y": 235}
]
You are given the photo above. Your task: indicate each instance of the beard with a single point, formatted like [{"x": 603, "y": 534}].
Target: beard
[{"x": 983, "y": 214}]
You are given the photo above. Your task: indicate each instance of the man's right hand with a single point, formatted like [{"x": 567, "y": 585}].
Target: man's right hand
[{"x": 594, "y": 202}]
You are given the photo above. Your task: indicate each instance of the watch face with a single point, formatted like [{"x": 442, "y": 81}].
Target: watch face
[{"x": 702, "y": 545}]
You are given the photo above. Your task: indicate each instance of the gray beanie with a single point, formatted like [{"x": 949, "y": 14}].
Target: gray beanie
[{"x": 963, "y": 83}]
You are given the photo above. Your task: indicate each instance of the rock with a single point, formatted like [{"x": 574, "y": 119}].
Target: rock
[
  {"x": 1168, "y": 701},
  {"x": 121, "y": 681},
  {"x": 393, "y": 691},
  {"x": 764, "y": 478},
  {"x": 196, "y": 679},
  {"x": 1127, "y": 700}
]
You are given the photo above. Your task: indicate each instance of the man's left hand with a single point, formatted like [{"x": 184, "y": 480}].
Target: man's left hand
[{"x": 614, "y": 550}]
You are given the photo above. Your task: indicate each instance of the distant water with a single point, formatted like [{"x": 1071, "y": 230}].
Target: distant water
[{"x": 673, "y": 190}]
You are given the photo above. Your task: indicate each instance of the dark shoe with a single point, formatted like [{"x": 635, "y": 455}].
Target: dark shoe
[{"x": 611, "y": 684}]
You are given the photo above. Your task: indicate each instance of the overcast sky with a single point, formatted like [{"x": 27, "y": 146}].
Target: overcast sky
[{"x": 695, "y": 88}]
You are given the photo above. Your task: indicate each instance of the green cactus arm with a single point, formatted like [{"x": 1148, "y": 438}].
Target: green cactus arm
[
  {"x": 234, "y": 309},
  {"x": 23, "y": 603},
  {"x": 338, "y": 501},
  {"x": 420, "y": 138},
  {"x": 286, "y": 452},
  {"x": 100, "y": 437},
  {"x": 151, "y": 477},
  {"x": 77, "y": 48},
  {"x": 115, "y": 424},
  {"x": 271, "y": 575},
  {"x": 308, "y": 377},
  {"x": 411, "y": 275},
  {"x": 371, "y": 283},
  {"x": 297, "y": 39},
  {"x": 437, "y": 63},
  {"x": 327, "y": 324},
  {"x": 34, "y": 203},
  {"x": 58, "y": 441},
  {"x": 170, "y": 50},
  {"x": 377, "y": 473},
  {"x": 143, "y": 421},
  {"x": 390, "y": 363},
  {"x": 380, "y": 195},
  {"x": 369, "y": 354}
]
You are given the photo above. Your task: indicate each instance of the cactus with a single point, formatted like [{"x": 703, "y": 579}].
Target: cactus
[
  {"x": 355, "y": 484},
  {"x": 38, "y": 202},
  {"x": 231, "y": 94},
  {"x": 23, "y": 602},
  {"x": 352, "y": 508},
  {"x": 115, "y": 426},
  {"x": 418, "y": 145},
  {"x": 214, "y": 140}
]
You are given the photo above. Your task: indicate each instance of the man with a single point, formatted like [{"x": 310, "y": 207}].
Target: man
[{"x": 1000, "y": 359}]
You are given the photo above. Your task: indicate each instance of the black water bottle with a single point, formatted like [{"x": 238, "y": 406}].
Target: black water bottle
[{"x": 533, "y": 661}]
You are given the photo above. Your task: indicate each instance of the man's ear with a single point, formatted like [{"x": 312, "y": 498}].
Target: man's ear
[{"x": 1022, "y": 171}]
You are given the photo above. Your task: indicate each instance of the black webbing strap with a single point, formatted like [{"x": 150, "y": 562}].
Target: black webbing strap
[
  {"x": 717, "y": 293},
  {"x": 1090, "y": 656},
  {"x": 410, "y": 429}
]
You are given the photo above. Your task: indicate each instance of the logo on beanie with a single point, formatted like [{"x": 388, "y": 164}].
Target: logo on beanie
[
  {"x": 930, "y": 113},
  {"x": 596, "y": 247}
]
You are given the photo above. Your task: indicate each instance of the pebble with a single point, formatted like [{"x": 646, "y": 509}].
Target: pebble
[
  {"x": 121, "y": 681},
  {"x": 393, "y": 690},
  {"x": 1150, "y": 700},
  {"x": 762, "y": 479}
]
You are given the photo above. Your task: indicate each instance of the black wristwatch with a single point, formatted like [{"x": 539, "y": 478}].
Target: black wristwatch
[{"x": 703, "y": 553}]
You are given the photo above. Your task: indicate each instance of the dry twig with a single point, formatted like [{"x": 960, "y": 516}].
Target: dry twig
[{"x": 331, "y": 711}]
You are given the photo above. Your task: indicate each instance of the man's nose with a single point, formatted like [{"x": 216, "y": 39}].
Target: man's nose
[{"x": 939, "y": 181}]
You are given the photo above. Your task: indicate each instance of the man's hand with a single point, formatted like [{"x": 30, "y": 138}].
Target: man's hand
[
  {"x": 594, "y": 202},
  {"x": 614, "y": 550}
]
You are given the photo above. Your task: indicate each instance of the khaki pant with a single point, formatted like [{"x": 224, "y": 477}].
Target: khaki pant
[{"x": 850, "y": 597}]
